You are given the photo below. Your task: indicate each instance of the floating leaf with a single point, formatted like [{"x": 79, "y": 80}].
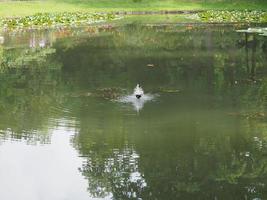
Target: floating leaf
[
  {"x": 233, "y": 16},
  {"x": 47, "y": 20}
]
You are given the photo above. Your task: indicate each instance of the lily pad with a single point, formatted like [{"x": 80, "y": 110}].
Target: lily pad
[
  {"x": 48, "y": 20},
  {"x": 223, "y": 16}
]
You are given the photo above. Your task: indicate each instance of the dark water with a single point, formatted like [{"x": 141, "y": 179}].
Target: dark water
[{"x": 63, "y": 135}]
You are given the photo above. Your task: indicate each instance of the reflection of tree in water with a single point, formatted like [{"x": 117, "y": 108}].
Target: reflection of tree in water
[
  {"x": 29, "y": 78},
  {"x": 26, "y": 101},
  {"x": 251, "y": 43},
  {"x": 29, "y": 58},
  {"x": 225, "y": 160},
  {"x": 174, "y": 159},
  {"x": 117, "y": 175},
  {"x": 206, "y": 164}
]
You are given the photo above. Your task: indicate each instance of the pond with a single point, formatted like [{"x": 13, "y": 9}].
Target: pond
[{"x": 64, "y": 135}]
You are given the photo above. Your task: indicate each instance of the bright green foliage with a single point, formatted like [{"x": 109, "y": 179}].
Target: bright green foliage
[
  {"x": 233, "y": 16},
  {"x": 45, "y": 20}
]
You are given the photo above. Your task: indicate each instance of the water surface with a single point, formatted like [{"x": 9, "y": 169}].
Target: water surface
[{"x": 64, "y": 135}]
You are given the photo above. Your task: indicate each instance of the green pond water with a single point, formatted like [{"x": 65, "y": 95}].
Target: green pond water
[{"x": 64, "y": 135}]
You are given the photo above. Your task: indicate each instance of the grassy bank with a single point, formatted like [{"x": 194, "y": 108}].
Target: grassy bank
[
  {"x": 52, "y": 13},
  {"x": 23, "y": 8}
]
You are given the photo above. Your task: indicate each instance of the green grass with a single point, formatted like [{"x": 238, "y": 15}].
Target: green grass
[
  {"x": 22, "y": 8},
  {"x": 155, "y": 19}
]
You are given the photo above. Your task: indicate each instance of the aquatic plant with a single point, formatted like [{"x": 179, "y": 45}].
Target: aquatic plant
[
  {"x": 48, "y": 20},
  {"x": 233, "y": 16}
]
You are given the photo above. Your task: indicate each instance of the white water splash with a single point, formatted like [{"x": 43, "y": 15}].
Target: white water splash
[{"x": 138, "y": 104}]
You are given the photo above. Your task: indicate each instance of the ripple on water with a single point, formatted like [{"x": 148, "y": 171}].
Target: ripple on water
[{"x": 62, "y": 117}]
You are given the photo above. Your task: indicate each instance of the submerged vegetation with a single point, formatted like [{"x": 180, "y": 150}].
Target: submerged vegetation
[
  {"x": 233, "y": 16},
  {"x": 51, "y": 20}
]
